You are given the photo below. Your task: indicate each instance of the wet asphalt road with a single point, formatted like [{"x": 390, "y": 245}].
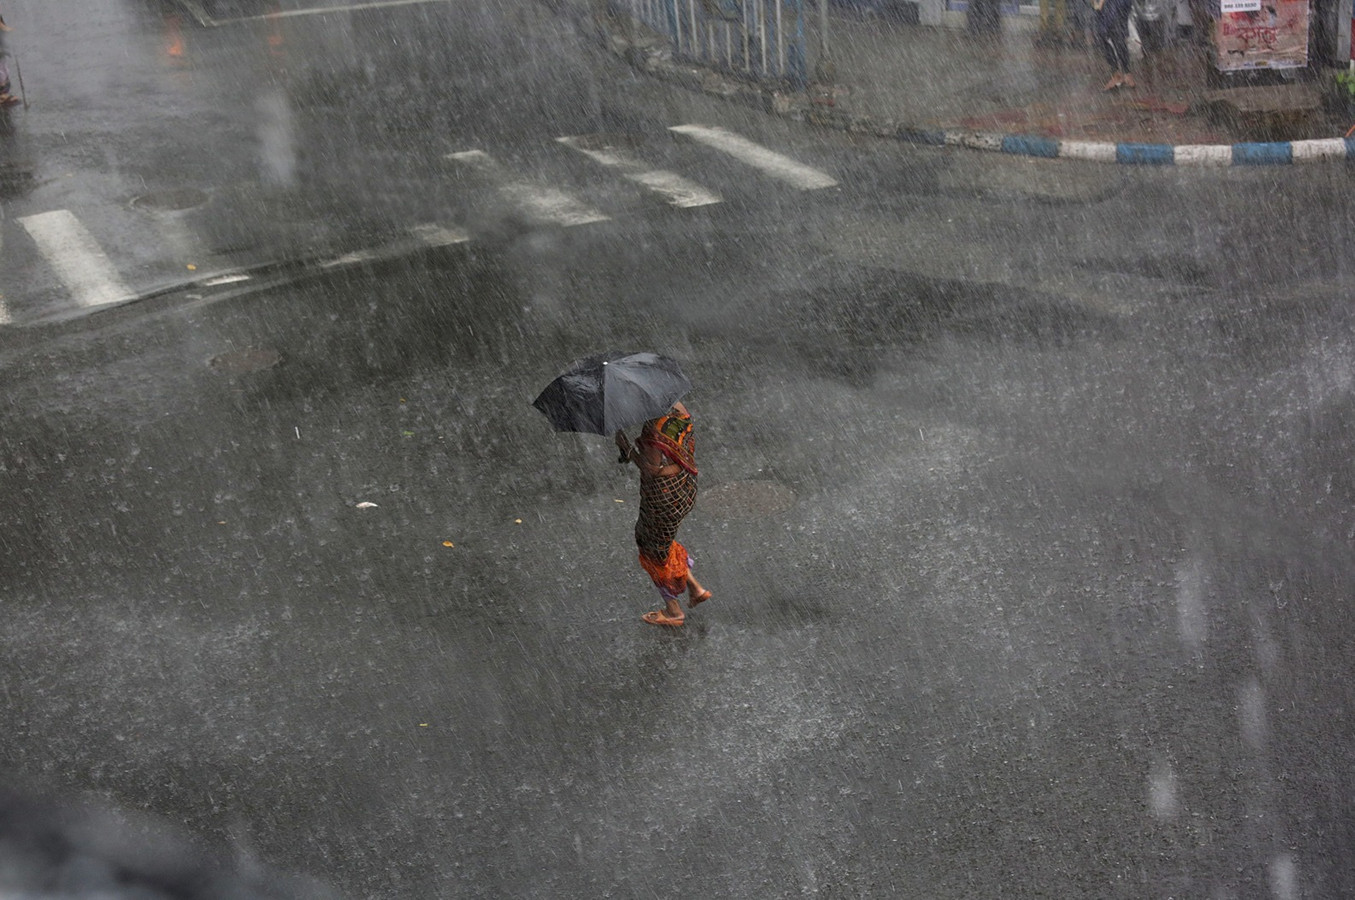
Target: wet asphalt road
[{"x": 1025, "y": 500}]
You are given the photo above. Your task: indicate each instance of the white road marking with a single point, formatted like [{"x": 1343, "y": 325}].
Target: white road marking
[
  {"x": 356, "y": 256},
  {"x": 774, "y": 164},
  {"x": 544, "y": 205},
  {"x": 225, "y": 279},
  {"x": 79, "y": 261},
  {"x": 435, "y": 235},
  {"x": 428, "y": 235},
  {"x": 205, "y": 19},
  {"x": 673, "y": 187},
  {"x": 5, "y": 317}
]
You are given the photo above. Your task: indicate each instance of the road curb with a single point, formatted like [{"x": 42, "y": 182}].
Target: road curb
[{"x": 658, "y": 62}]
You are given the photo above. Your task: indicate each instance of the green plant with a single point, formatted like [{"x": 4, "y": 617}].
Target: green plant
[{"x": 1345, "y": 82}]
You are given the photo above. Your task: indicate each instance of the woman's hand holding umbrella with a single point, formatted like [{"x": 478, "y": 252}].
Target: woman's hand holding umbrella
[{"x": 623, "y": 444}]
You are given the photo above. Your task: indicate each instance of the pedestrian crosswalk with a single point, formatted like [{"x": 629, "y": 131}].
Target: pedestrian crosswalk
[
  {"x": 676, "y": 170},
  {"x": 674, "y": 188},
  {"x": 542, "y": 203},
  {"x": 79, "y": 260}
]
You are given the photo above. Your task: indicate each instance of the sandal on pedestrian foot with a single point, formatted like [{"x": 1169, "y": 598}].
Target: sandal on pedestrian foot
[
  {"x": 659, "y": 617},
  {"x": 694, "y": 599}
]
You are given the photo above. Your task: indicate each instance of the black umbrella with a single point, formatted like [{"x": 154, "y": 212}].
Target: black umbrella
[{"x": 603, "y": 394}]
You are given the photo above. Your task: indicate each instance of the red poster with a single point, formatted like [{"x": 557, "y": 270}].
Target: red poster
[{"x": 1275, "y": 36}]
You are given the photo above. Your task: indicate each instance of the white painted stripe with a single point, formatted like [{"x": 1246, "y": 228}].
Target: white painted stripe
[
  {"x": 757, "y": 156},
  {"x": 323, "y": 10},
  {"x": 356, "y": 256},
  {"x": 1203, "y": 155},
  {"x": 1096, "y": 152},
  {"x": 677, "y": 190},
  {"x": 79, "y": 261},
  {"x": 435, "y": 235},
  {"x": 980, "y": 140},
  {"x": 1325, "y": 148},
  {"x": 225, "y": 279},
  {"x": 5, "y": 318},
  {"x": 544, "y": 205}
]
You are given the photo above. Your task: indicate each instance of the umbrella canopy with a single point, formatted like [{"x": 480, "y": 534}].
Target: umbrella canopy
[{"x": 602, "y": 394}]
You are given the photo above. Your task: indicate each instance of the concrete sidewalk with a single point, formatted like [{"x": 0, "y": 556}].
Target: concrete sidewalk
[
  {"x": 1014, "y": 83},
  {"x": 1016, "y": 93}
]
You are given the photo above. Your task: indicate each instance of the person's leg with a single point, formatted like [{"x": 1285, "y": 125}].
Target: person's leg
[
  {"x": 669, "y": 573},
  {"x": 695, "y": 592},
  {"x": 1104, "y": 25},
  {"x": 1119, "y": 38},
  {"x": 1126, "y": 78}
]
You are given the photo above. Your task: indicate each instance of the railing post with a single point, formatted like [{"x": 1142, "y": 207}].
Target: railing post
[{"x": 799, "y": 78}]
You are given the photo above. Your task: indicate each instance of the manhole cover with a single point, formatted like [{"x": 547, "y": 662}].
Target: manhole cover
[
  {"x": 171, "y": 199},
  {"x": 243, "y": 362},
  {"x": 747, "y": 499}
]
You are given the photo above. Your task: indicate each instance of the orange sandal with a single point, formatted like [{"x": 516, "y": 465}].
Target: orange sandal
[
  {"x": 699, "y": 598},
  {"x": 659, "y": 617}
]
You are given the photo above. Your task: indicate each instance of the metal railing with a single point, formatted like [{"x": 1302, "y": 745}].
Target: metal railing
[{"x": 755, "y": 38}]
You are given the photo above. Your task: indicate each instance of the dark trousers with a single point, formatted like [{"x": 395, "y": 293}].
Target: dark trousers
[{"x": 1112, "y": 32}]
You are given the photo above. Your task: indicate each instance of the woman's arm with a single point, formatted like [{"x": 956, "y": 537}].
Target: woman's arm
[{"x": 651, "y": 461}]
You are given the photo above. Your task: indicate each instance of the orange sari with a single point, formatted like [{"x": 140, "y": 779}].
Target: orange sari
[{"x": 665, "y": 501}]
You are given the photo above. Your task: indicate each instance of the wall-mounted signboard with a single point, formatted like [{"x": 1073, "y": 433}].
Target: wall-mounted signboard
[{"x": 1261, "y": 34}]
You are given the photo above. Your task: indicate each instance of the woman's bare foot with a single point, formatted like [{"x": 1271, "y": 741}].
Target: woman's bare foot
[{"x": 670, "y": 615}]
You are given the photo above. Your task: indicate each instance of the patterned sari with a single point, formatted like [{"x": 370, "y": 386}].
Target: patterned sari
[{"x": 665, "y": 501}]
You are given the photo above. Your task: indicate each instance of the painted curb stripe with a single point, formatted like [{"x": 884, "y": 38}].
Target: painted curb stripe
[
  {"x": 922, "y": 136},
  {"x": 1204, "y": 155},
  {"x": 1262, "y": 155},
  {"x": 1024, "y": 145},
  {"x": 1092, "y": 152},
  {"x": 1332, "y": 148},
  {"x": 1128, "y": 153},
  {"x": 1132, "y": 154}
]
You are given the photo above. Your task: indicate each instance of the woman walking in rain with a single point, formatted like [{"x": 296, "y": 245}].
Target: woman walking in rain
[
  {"x": 6, "y": 98},
  {"x": 1112, "y": 32},
  {"x": 665, "y": 454}
]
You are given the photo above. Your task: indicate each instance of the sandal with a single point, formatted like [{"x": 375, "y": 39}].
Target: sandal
[
  {"x": 698, "y": 598},
  {"x": 659, "y": 617}
]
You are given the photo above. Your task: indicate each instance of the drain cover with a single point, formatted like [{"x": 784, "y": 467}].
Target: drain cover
[
  {"x": 243, "y": 362},
  {"x": 747, "y": 499},
  {"x": 171, "y": 199}
]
